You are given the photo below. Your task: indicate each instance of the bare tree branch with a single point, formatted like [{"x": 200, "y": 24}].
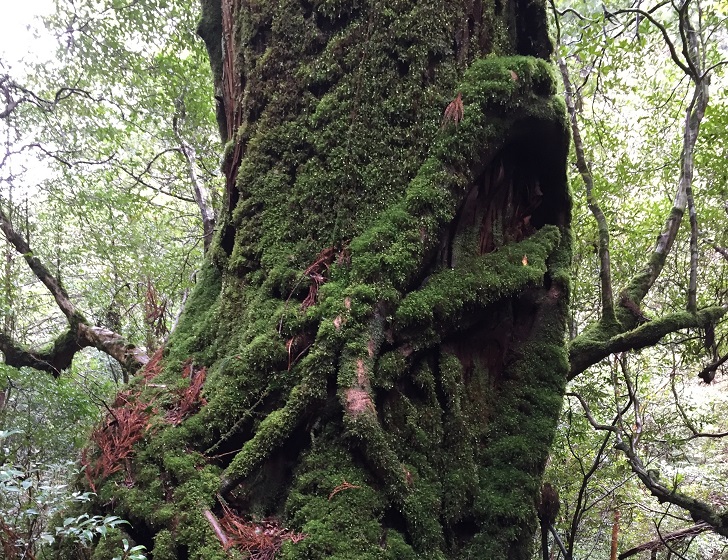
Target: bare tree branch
[
  {"x": 81, "y": 333},
  {"x": 66, "y": 162},
  {"x": 605, "y": 269},
  {"x": 626, "y": 333},
  {"x": 41, "y": 272},
  {"x": 596, "y": 425},
  {"x": 15, "y": 95},
  {"x": 559, "y": 542},
  {"x": 656, "y": 544},
  {"x": 665, "y": 35},
  {"x": 699, "y": 511},
  {"x": 641, "y": 283},
  {"x": 699, "y": 102},
  {"x": 687, "y": 37},
  {"x": 139, "y": 177},
  {"x": 199, "y": 190},
  {"x": 721, "y": 250}
]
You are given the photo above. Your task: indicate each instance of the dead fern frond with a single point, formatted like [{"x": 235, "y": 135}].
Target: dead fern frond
[
  {"x": 317, "y": 273},
  {"x": 260, "y": 539},
  {"x": 453, "y": 112},
  {"x": 190, "y": 398},
  {"x": 114, "y": 439},
  {"x": 343, "y": 486}
]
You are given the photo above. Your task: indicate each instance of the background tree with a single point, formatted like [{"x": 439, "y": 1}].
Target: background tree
[
  {"x": 636, "y": 139},
  {"x": 114, "y": 119}
]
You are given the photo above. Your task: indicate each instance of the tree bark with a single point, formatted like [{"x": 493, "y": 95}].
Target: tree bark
[{"x": 382, "y": 316}]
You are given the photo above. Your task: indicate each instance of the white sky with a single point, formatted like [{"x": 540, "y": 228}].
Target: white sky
[
  {"x": 23, "y": 39},
  {"x": 17, "y": 41}
]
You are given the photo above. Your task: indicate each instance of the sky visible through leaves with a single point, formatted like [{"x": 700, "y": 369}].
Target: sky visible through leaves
[{"x": 22, "y": 36}]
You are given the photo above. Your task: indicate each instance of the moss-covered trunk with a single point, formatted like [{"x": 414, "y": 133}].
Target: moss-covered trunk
[{"x": 379, "y": 333}]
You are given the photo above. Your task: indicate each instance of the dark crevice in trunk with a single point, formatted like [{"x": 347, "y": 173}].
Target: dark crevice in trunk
[
  {"x": 227, "y": 242},
  {"x": 394, "y": 520},
  {"x": 462, "y": 532}
]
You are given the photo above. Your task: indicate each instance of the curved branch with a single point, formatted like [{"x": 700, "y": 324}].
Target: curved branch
[
  {"x": 571, "y": 11},
  {"x": 60, "y": 353},
  {"x": 659, "y": 542},
  {"x": 641, "y": 283},
  {"x": 689, "y": 43},
  {"x": 130, "y": 357},
  {"x": 661, "y": 28},
  {"x": 709, "y": 69},
  {"x": 81, "y": 333},
  {"x": 699, "y": 511},
  {"x": 52, "y": 360},
  {"x": 199, "y": 190},
  {"x": 707, "y": 374},
  {"x": 139, "y": 177},
  {"x": 41, "y": 272},
  {"x": 593, "y": 345},
  {"x": 722, "y": 251},
  {"x": 12, "y": 91},
  {"x": 68, "y": 163},
  {"x": 596, "y": 425},
  {"x": 697, "y": 103},
  {"x": 61, "y": 94}
]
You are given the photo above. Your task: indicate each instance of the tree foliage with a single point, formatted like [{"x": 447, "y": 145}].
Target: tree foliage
[
  {"x": 640, "y": 148},
  {"x": 115, "y": 220}
]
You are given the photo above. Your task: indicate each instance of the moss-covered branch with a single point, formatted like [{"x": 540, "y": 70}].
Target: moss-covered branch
[
  {"x": 272, "y": 433},
  {"x": 438, "y": 307},
  {"x": 54, "y": 359},
  {"x": 598, "y": 342},
  {"x": 699, "y": 510}
]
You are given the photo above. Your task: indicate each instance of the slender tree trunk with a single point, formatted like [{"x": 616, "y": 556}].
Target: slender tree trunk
[
  {"x": 379, "y": 333},
  {"x": 615, "y": 536}
]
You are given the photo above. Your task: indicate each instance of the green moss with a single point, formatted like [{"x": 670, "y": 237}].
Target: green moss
[
  {"x": 597, "y": 342},
  {"x": 520, "y": 434},
  {"x": 164, "y": 546},
  {"x": 210, "y": 29},
  {"x": 196, "y": 328},
  {"x": 110, "y": 546},
  {"x": 482, "y": 281},
  {"x": 344, "y": 146},
  {"x": 339, "y": 524},
  {"x": 272, "y": 432}
]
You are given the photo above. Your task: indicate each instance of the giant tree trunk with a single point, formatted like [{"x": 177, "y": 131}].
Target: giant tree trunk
[{"x": 380, "y": 328}]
